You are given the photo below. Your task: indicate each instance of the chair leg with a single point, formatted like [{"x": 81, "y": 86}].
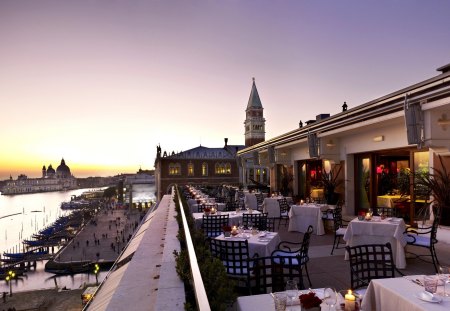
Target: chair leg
[
  {"x": 307, "y": 275},
  {"x": 336, "y": 239},
  {"x": 434, "y": 258}
]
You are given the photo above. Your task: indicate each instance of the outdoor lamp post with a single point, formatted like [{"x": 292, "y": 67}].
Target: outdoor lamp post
[
  {"x": 11, "y": 275},
  {"x": 96, "y": 270}
]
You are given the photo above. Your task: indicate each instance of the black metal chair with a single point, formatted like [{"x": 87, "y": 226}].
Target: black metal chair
[
  {"x": 339, "y": 226},
  {"x": 259, "y": 221},
  {"x": 212, "y": 225},
  {"x": 299, "y": 251},
  {"x": 425, "y": 237},
  {"x": 234, "y": 257},
  {"x": 284, "y": 211},
  {"x": 259, "y": 201},
  {"x": 368, "y": 262},
  {"x": 270, "y": 274},
  {"x": 200, "y": 208},
  {"x": 387, "y": 211}
]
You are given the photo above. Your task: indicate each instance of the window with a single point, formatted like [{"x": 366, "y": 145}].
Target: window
[
  {"x": 204, "y": 169},
  {"x": 190, "y": 169},
  {"x": 174, "y": 169},
  {"x": 223, "y": 168}
]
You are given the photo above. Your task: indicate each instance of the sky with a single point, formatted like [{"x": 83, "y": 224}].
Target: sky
[{"x": 101, "y": 83}]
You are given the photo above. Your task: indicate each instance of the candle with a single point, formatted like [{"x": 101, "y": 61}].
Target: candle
[
  {"x": 301, "y": 202},
  {"x": 234, "y": 229},
  {"x": 349, "y": 301}
]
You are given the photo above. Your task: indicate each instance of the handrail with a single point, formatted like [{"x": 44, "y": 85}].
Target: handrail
[{"x": 199, "y": 287}]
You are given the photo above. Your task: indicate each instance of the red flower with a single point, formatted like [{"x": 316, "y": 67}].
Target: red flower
[
  {"x": 310, "y": 300},
  {"x": 226, "y": 228}
]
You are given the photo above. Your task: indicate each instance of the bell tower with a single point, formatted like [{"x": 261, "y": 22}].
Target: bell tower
[{"x": 254, "y": 119}]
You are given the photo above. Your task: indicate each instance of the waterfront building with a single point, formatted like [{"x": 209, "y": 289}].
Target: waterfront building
[
  {"x": 198, "y": 166},
  {"x": 51, "y": 180},
  {"x": 373, "y": 148}
]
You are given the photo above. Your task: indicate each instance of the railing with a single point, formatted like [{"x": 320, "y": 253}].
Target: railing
[{"x": 199, "y": 288}]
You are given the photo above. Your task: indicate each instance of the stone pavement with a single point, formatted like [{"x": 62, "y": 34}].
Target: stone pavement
[{"x": 103, "y": 238}]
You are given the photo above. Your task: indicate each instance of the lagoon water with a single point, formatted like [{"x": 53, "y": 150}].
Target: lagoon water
[{"x": 23, "y": 215}]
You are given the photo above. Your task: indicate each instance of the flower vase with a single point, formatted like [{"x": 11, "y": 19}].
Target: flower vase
[{"x": 227, "y": 234}]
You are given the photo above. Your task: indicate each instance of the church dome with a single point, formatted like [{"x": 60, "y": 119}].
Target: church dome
[
  {"x": 50, "y": 171},
  {"x": 63, "y": 171}
]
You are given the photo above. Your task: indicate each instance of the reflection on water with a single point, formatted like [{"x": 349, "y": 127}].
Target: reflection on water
[{"x": 23, "y": 215}]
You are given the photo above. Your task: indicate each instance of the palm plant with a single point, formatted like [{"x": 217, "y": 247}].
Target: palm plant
[
  {"x": 437, "y": 183},
  {"x": 330, "y": 182}
]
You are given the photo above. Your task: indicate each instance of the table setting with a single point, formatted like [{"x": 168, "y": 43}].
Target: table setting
[
  {"x": 409, "y": 293},
  {"x": 374, "y": 230},
  {"x": 262, "y": 243}
]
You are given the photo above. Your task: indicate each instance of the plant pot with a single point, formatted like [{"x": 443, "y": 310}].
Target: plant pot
[{"x": 227, "y": 234}]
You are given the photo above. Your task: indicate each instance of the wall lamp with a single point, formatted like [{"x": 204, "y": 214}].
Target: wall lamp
[
  {"x": 443, "y": 122},
  {"x": 378, "y": 138}
]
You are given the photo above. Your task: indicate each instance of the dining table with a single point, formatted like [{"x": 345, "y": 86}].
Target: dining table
[
  {"x": 388, "y": 200},
  {"x": 378, "y": 231},
  {"x": 272, "y": 207},
  {"x": 402, "y": 294},
  {"x": 265, "y": 302},
  {"x": 302, "y": 216},
  {"x": 260, "y": 243},
  {"x": 235, "y": 218},
  {"x": 219, "y": 206}
]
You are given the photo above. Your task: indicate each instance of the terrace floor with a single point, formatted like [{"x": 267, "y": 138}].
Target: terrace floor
[{"x": 333, "y": 271}]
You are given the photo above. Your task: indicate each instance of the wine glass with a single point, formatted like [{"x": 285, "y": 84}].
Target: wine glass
[
  {"x": 444, "y": 275},
  {"x": 291, "y": 290},
  {"x": 329, "y": 297}
]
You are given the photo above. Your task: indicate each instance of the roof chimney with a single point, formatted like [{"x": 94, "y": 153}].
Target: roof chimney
[
  {"x": 444, "y": 68},
  {"x": 226, "y": 142},
  {"x": 344, "y": 106}
]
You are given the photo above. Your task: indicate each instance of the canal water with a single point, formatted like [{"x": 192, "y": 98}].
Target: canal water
[{"x": 23, "y": 215}]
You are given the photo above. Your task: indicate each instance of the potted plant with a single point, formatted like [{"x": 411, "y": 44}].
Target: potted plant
[
  {"x": 330, "y": 182},
  {"x": 438, "y": 184}
]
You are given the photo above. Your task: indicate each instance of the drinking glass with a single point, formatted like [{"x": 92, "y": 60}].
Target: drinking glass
[
  {"x": 430, "y": 283},
  {"x": 444, "y": 275},
  {"x": 291, "y": 291},
  {"x": 329, "y": 297},
  {"x": 280, "y": 300}
]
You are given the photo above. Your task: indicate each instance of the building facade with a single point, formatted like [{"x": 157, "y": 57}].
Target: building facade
[
  {"x": 51, "y": 180},
  {"x": 373, "y": 148},
  {"x": 198, "y": 166}
]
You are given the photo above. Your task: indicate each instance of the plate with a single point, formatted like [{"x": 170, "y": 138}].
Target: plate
[{"x": 428, "y": 297}]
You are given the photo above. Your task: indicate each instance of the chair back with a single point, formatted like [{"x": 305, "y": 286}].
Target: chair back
[
  {"x": 368, "y": 262},
  {"x": 284, "y": 206},
  {"x": 233, "y": 254},
  {"x": 201, "y": 208},
  {"x": 436, "y": 221},
  {"x": 259, "y": 198},
  {"x": 337, "y": 217},
  {"x": 256, "y": 220},
  {"x": 304, "y": 249},
  {"x": 212, "y": 225}
]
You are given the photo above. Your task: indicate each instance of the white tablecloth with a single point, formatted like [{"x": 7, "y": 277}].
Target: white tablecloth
[
  {"x": 265, "y": 302},
  {"x": 399, "y": 294},
  {"x": 271, "y": 206},
  {"x": 234, "y": 220},
  {"x": 379, "y": 232},
  {"x": 387, "y": 200},
  {"x": 250, "y": 201},
  {"x": 301, "y": 216},
  {"x": 262, "y": 246},
  {"x": 220, "y": 206}
]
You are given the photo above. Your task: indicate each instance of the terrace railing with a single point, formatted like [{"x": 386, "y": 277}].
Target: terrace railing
[{"x": 199, "y": 288}]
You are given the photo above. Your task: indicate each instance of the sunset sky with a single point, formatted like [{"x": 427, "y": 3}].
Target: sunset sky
[{"x": 101, "y": 83}]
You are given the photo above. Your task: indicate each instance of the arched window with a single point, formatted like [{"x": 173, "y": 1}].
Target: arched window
[
  {"x": 220, "y": 168},
  {"x": 174, "y": 169},
  {"x": 227, "y": 168},
  {"x": 204, "y": 169},
  {"x": 190, "y": 168}
]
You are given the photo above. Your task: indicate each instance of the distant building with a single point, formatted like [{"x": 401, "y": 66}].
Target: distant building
[
  {"x": 255, "y": 123},
  {"x": 199, "y": 166},
  {"x": 51, "y": 180}
]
